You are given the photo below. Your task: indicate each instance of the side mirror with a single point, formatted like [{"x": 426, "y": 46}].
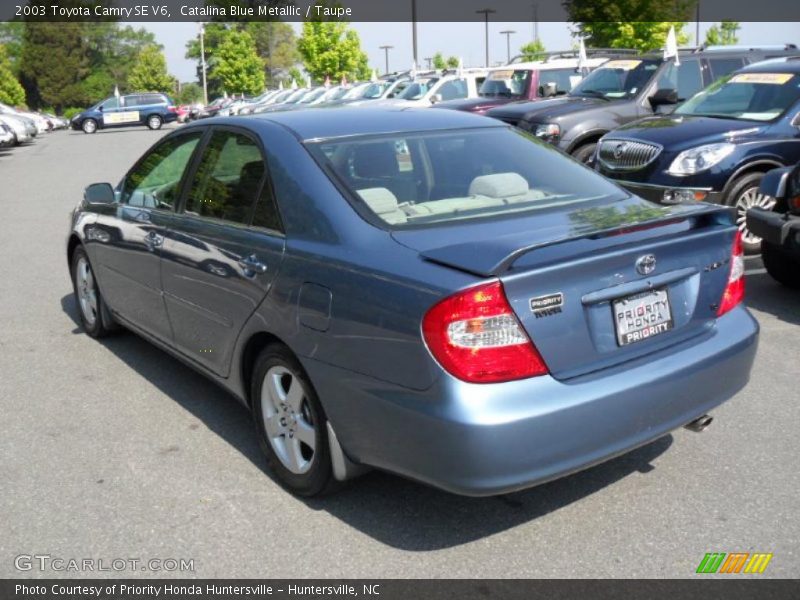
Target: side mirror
[
  {"x": 99, "y": 193},
  {"x": 662, "y": 97},
  {"x": 436, "y": 98},
  {"x": 776, "y": 182},
  {"x": 548, "y": 90}
]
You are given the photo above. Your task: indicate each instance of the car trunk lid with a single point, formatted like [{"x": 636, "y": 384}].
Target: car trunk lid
[{"x": 588, "y": 280}]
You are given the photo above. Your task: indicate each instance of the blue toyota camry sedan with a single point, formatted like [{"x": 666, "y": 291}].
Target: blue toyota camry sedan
[{"x": 431, "y": 293}]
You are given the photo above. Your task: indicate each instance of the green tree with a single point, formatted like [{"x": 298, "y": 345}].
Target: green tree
[
  {"x": 115, "y": 50},
  {"x": 723, "y": 35},
  {"x": 54, "y": 62},
  {"x": 11, "y": 92},
  {"x": 440, "y": 62},
  {"x": 149, "y": 74},
  {"x": 332, "y": 49},
  {"x": 11, "y": 34},
  {"x": 599, "y": 22},
  {"x": 276, "y": 45},
  {"x": 189, "y": 93},
  {"x": 237, "y": 65},
  {"x": 532, "y": 51}
]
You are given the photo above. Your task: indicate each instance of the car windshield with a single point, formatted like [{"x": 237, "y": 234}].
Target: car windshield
[
  {"x": 618, "y": 79},
  {"x": 375, "y": 89},
  {"x": 418, "y": 89},
  {"x": 746, "y": 96},
  {"x": 311, "y": 96},
  {"x": 334, "y": 94},
  {"x": 506, "y": 83},
  {"x": 356, "y": 92},
  {"x": 408, "y": 180}
]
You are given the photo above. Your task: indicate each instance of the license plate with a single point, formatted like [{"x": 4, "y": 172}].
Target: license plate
[{"x": 640, "y": 317}]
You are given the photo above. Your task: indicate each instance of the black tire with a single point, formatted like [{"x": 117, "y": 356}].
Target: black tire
[
  {"x": 103, "y": 323},
  {"x": 739, "y": 189},
  {"x": 782, "y": 266},
  {"x": 584, "y": 153},
  {"x": 89, "y": 126},
  {"x": 154, "y": 122},
  {"x": 318, "y": 478}
]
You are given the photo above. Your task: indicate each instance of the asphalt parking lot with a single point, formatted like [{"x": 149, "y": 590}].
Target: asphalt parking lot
[{"x": 116, "y": 450}]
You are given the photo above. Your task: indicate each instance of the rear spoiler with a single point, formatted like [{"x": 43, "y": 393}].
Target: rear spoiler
[{"x": 492, "y": 259}]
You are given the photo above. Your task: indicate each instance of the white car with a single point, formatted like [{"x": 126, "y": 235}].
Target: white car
[
  {"x": 38, "y": 120},
  {"x": 18, "y": 127},
  {"x": 428, "y": 90}
]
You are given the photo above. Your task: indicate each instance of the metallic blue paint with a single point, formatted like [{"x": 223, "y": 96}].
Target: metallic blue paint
[{"x": 348, "y": 297}]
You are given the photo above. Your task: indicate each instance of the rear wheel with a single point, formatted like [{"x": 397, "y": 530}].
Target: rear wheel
[
  {"x": 291, "y": 423},
  {"x": 154, "y": 122},
  {"x": 89, "y": 126},
  {"x": 743, "y": 196},
  {"x": 584, "y": 153},
  {"x": 782, "y": 266}
]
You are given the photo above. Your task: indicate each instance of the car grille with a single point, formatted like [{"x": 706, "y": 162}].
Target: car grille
[{"x": 627, "y": 155}]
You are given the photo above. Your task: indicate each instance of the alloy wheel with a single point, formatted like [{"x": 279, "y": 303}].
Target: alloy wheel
[
  {"x": 752, "y": 197},
  {"x": 288, "y": 421},
  {"x": 87, "y": 292}
]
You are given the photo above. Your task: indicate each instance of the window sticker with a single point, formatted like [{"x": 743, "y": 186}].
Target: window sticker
[
  {"x": 508, "y": 74},
  {"x": 625, "y": 65},
  {"x": 771, "y": 78}
]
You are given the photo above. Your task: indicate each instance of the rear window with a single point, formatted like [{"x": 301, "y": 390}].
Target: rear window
[{"x": 408, "y": 180}]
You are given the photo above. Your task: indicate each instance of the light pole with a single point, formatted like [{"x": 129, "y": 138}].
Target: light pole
[
  {"x": 203, "y": 63},
  {"x": 414, "y": 29},
  {"x": 486, "y": 12},
  {"x": 508, "y": 33},
  {"x": 429, "y": 59},
  {"x": 386, "y": 55}
]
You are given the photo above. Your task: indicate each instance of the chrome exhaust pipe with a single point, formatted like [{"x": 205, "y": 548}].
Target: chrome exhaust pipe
[{"x": 699, "y": 424}]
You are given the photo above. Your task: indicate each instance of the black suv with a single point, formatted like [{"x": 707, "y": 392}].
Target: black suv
[
  {"x": 780, "y": 227},
  {"x": 621, "y": 91}
]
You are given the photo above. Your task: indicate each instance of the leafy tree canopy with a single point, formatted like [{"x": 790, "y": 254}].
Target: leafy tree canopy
[
  {"x": 149, "y": 74},
  {"x": 11, "y": 92},
  {"x": 600, "y": 22},
  {"x": 332, "y": 49},
  {"x": 237, "y": 65},
  {"x": 723, "y": 34},
  {"x": 532, "y": 51}
]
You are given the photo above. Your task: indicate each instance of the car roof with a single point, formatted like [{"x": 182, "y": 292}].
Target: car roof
[
  {"x": 789, "y": 65},
  {"x": 321, "y": 123}
]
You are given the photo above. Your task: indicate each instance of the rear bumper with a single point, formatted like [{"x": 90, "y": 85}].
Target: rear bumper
[
  {"x": 490, "y": 439},
  {"x": 776, "y": 228}
]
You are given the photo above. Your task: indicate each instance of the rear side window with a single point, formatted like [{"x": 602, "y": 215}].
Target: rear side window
[
  {"x": 148, "y": 99},
  {"x": 563, "y": 78},
  {"x": 723, "y": 66},
  {"x": 453, "y": 90},
  {"x": 685, "y": 79},
  {"x": 228, "y": 180}
]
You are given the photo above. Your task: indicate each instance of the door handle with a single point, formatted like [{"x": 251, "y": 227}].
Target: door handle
[
  {"x": 252, "y": 265},
  {"x": 153, "y": 240}
]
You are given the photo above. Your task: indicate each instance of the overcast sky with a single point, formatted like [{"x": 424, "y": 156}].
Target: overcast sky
[{"x": 459, "y": 39}]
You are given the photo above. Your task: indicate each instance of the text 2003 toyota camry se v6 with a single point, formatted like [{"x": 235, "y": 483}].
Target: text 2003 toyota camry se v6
[{"x": 431, "y": 293}]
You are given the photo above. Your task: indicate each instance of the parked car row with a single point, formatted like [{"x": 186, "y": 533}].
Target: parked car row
[{"x": 20, "y": 126}]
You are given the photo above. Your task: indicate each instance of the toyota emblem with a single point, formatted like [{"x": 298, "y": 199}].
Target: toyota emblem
[{"x": 646, "y": 264}]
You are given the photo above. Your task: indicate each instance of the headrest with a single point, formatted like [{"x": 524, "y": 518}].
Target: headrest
[
  {"x": 499, "y": 185},
  {"x": 384, "y": 204}
]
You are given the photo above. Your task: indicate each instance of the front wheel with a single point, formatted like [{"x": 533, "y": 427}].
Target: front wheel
[
  {"x": 89, "y": 126},
  {"x": 781, "y": 266},
  {"x": 744, "y": 195},
  {"x": 154, "y": 122},
  {"x": 584, "y": 153},
  {"x": 291, "y": 423},
  {"x": 95, "y": 317}
]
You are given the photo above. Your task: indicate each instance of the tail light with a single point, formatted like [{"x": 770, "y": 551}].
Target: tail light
[
  {"x": 734, "y": 290},
  {"x": 794, "y": 204},
  {"x": 476, "y": 337}
]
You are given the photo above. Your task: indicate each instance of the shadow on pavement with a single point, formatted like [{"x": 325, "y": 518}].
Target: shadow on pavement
[
  {"x": 395, "y": 511},
  {"x": 763, "y": 293}
]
